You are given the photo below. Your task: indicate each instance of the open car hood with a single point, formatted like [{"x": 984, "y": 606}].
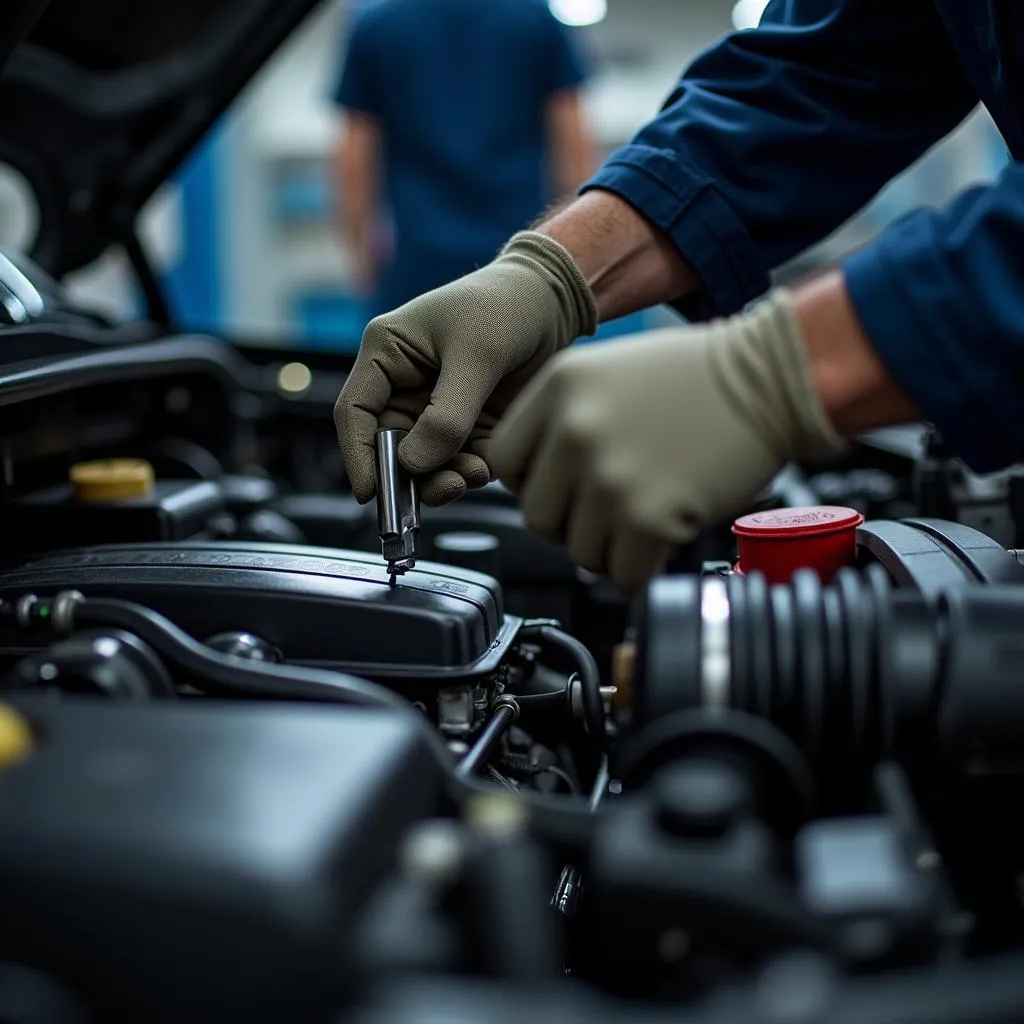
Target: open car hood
[
  {"x": 16, "y": 18},
  {"x": 103, "y": 99}
]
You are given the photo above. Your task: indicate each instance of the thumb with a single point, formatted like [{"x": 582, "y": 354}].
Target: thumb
[{"x": 446, "y": 423}]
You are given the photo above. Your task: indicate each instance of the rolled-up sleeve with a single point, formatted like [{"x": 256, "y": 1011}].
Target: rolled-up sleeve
[
  {"x": 777, "y": 135},
  {"x": 941, "y": 296}
]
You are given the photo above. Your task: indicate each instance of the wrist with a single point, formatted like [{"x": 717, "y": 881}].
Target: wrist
[
  {"x": 853, "y": 385},
  {"x": 571, "y": 301},
  {"x": 765, "y": 374},
  {"x": 627, "y": 263}
]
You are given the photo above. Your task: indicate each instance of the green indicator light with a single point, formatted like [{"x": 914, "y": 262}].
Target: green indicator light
[{"x": 44, "y": 610}]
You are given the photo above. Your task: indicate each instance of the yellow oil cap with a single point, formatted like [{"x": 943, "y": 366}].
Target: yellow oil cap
[
  {"x": 112, "y": 480},
  {"x": 15, "y": 737}
]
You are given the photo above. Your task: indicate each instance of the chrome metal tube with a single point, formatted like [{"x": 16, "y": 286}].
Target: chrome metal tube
[{"x": 398, "y": 504}]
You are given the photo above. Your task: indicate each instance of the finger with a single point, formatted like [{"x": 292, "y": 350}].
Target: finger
[
  {"x": 635, "y": 557},
  {"x": 363, "y": 398},
  {"x": 395, "y": 419},
  {"x": 480, "y": 446},
  {"x": 472, "y": 469},
  {"x": 518, "y": 433},
  {"x": 548, "y": 489},
  {"x": 446, "y": 485},
  {"x": 590, "y": 530},
  {"x": 442, "y": 487},
  {"x": 446, "y": 422}
]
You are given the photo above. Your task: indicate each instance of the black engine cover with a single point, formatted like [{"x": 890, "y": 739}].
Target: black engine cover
[
  {"x": 177, "y": 862},
  {"x": 319, "y": 606}
]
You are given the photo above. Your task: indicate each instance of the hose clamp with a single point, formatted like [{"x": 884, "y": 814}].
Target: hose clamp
[
  {"x": 507, "y": 702},
  {"x": 715, "y": 655},
  {"x": 23, "y": 609},
  {"x": 62, "y": 613}
]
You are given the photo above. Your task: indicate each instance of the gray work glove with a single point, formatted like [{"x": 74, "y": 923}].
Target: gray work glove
[
  {"x": 625, "y": 449},
  {"x": 446, "y": 365}
]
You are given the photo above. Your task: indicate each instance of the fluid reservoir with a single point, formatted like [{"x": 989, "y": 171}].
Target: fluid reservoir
[
  {"x": 780, "y": 541},
  {"x": 107, "y": 480}
]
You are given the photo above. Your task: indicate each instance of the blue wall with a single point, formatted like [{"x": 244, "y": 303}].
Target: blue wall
[{"x": 194, "y": 284}]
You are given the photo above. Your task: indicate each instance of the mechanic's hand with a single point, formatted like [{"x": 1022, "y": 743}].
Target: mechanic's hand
[
  {"x": 446, "y": 365},
  {"x": 626, "y": 449}
]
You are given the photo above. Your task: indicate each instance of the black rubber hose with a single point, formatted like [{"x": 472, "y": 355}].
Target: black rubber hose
[
  {"x": 600, "y": 787},
  {"x": 483, "y": 747},
  {"x": 852, "y": 672},
  {"x": 223, "y": 675},
  {"x": 586, "y": 666},
  {"x": 226, "y": 676},
  {"x": 566, "y": 823}
]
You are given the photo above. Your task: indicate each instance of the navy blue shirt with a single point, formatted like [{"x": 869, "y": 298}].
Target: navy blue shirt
[
  {"x": 776, "y": 135},
  {"x": 460, "y": 89}
]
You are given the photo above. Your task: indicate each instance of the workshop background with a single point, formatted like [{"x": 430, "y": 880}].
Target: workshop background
[{"x": 245, "y": 236}]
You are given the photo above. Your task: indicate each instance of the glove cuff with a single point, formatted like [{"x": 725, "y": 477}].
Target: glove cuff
[
  {"x": 556, "y": 264},
  {"x": 774, "y": 328}
]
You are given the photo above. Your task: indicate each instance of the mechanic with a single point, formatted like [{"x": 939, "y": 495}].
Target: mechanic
[
  {"x": 772, "y": 138},
  {"x": 435, "y": 128}
]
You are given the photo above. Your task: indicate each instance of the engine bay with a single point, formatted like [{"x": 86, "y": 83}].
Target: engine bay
[{"x": 247, "y": 775}]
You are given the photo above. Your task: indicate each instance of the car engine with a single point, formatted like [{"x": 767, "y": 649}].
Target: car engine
[{"x": 245, "y": 775}]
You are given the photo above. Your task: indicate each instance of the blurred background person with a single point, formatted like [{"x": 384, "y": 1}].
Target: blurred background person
[{"x": 463, "y": 121}]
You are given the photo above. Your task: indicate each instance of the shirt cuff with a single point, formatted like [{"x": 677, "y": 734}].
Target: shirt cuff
[
  {"x": 684, "y": 202},
  {"x": 916, "y": 361}
]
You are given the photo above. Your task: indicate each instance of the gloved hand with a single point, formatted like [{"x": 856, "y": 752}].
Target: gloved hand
[
  {"x": 446, "y": 365},
  {"x": 625, "y": 449}
]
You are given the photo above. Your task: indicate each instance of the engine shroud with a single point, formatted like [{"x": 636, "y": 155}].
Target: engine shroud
[
  {"x": 318, "y": 606},
  {"x": 210, "y": 859}
]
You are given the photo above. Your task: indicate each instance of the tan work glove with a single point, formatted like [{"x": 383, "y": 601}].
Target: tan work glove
[
  {"x": 446, "y": 365},
  {"x": 625, "y": 449}
]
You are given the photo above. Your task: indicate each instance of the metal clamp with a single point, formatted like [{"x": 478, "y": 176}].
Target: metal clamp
[
  {"x": 715, "y": 654},
  {"x": 507, "y": 702}
]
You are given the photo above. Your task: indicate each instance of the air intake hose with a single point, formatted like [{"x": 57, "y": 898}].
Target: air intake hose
[{"x": 852, "y": 672}]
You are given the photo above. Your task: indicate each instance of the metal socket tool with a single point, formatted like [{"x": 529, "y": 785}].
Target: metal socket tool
[{"x": 398, "y": 505}]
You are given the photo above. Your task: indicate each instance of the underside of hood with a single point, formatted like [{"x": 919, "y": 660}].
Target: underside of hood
[
  {"x": 16, "y": 18},
  {"x": 113, "y": 35},
  {"x": 103, "y": 100}
]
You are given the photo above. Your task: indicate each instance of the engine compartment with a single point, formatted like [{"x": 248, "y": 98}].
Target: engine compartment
[
  {"x": 244, "y": 777},
  {"x": 293, "y": 598}
]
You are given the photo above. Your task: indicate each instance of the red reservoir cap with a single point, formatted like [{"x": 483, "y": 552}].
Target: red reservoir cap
[{"x": 777, "y": 543}]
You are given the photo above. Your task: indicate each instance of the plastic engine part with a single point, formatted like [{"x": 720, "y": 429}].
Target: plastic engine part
[
  {"x": 207, "y": 859},
  {"x": 316, "y": 605},
  {"x": 778, "y": 542}
]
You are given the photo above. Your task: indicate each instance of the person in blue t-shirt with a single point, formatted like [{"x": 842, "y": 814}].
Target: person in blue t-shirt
[{"x": 463, "y": 121}]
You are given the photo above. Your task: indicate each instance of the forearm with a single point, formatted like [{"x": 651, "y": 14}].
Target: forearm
[
  {"x": 572, "y": 166},
  {"x": 355, "y": 184},
  {"x": 628, "y": 263},
  {"x": 355, "y": 207},
  {"x": 854, "y": 386}
]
